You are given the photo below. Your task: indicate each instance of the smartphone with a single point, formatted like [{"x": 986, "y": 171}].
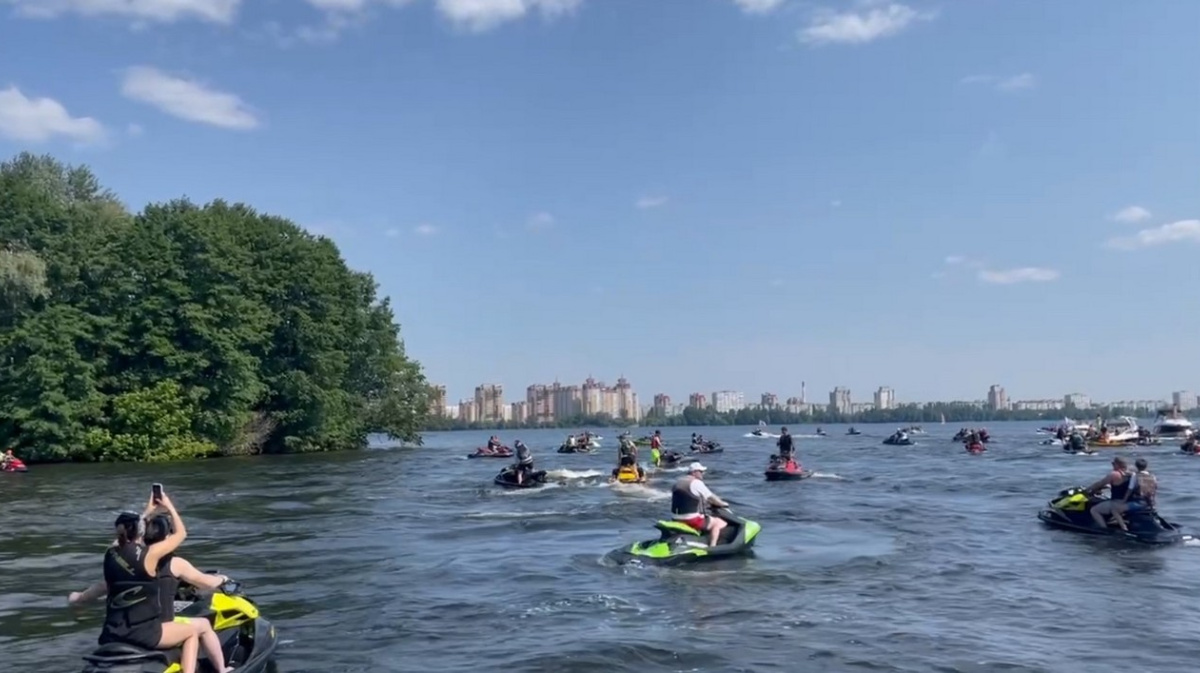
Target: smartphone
[{"x": 156, "y": 492}]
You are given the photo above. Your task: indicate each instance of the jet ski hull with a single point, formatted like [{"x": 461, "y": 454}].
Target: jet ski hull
[
  {"x": 574, "y": 449},
  {"x": 714, "y": 450},
  {"x": 898, "y": 442},
  {"x": 1071, "y": 511},
  {"x": 484, "y": 453},
  {"x": 680, "y": 544},
  {"x": 507, "y": 479},
  {"x": 629, "y": 475},
  {"x": 248, "y": 643},
  {"x": 787, "y": 475},
  {"x": 670, "y": 458}
]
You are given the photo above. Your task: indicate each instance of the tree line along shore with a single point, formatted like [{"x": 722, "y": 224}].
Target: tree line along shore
[
  {"x": 184, "y": 331},
  {"x": 910, "y": 414}
]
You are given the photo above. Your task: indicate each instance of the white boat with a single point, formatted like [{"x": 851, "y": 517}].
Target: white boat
[
  {"x": 1122, "y": 429},
  {"x": 1174, "y": 426}
]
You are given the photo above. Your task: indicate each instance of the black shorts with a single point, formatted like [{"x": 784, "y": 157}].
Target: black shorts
[{"x": 146, "y": 637}]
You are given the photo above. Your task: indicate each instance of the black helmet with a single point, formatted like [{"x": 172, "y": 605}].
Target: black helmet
[{"x": 158, "y": 528}]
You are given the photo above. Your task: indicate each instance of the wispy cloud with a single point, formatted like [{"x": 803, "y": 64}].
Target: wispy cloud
[
  {"x": 540, "y": 221},
  {"x": 425, "y": 230},
  {"x": 873, "y": 21},
  {"x": 1131, "y": 215},
  {"x": 1009, "y": 84},
  {"x": 1025, "y": 274},
  {"x": 758, "y": 6},
  {"x": 187, "y": 99},
  {"x": 35, "y": 120},
  {"x": 162, "y": 11},
  {"x": 477, "y": 16},
  {"x": 647, "y": 202},
  {"x": 1183, "y": 231}
]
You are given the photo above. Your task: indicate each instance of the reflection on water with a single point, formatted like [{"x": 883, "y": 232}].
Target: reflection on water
[{"x": 890, "y": 559}]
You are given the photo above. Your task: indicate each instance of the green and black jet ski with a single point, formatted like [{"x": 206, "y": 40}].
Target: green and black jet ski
[
  {"x": 247, "y": 638},
  {"x": 681, "y": 544}
]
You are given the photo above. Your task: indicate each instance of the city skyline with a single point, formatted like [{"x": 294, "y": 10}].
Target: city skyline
[{"x": 545, "y": 403}]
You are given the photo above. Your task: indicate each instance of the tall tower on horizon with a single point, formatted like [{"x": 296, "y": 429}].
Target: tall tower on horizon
[{"x": 803, "y": 395}]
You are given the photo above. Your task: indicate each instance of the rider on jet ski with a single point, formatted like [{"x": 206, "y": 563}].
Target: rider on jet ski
[
  {"x": 787, "y": 448},
  {"x": 523, "y": 468},
  {"x": 1117, "y": 480},
  {"x": 656, "y": 447},
  {"x": 627, "y": 456},
  {"x": 140, "y": 609},
  {"x": 493, "y": 443},
  {"x": 690, "y": 499}
]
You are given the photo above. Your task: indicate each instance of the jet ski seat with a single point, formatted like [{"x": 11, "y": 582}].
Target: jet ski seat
[
  {"x": 114, "y": 654},
  {"x": 675, "y": 527}
]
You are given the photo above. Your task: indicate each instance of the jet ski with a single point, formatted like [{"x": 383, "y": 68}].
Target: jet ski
[
  {"x": 247, "y": 638},
  {"x": 1052, "y": 441},
  {"x": 669, "y": 458},
  {"x": 1071, "y": 510},
  {"x": 680, "y": 544},
  {"x": 779, "y": 470},
  {"x": 484, "y": 452},
  {"x": 508, "y": 479},
  {"x": 899, "y": 441},
  {"x": 14, "y": 465},
  {"x": 1087, "y": 451},
  {"x": 1191, "y": 447},
  {"x": 567, "y": 448},
  {"x": 821, "y": 433},
  {"x": 643, "y": 441},
  {"x": 628, "y": 474},
  {"x": 852, "y": 431},
  {"x": 707, "y": 447},
  {"x": 759, "y": 433},
  {"x": 977, "y": 447}
]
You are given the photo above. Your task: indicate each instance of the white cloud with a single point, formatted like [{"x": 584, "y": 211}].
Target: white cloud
[
  {"x": 1131, "y": 215},
  {"x": 955, "y": 259},
  {"x": 163, "y": 11},
  {"x": 647, "y": 202},
  {"x": 187, "y": 99},
  {"x": 1027, "y": 274},
  {"x": 39, "y": 119},
  {"x": 872, "y": 22},
  {"x": 425, "y": 230},
  {"x": 540, "y": 221},
  {"x": 1017, "y": 82},
  {"x": 758, "y": 6},
  {"x": 1183, "y": 231},
  {"x": 477, "y": 16}
]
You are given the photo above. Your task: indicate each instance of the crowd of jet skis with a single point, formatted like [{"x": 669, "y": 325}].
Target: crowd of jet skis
[{"x": 228, "y": 625}]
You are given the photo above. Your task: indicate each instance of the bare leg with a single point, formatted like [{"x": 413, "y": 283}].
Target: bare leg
[
  {"x": 177, "y": 635},
  {"x": 212, "y": 644},
  {"x": 714, "y": 531}
]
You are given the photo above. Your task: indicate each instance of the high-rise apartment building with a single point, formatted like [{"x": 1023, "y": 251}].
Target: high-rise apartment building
[
  {"x": 540, "y": 404},
  {"x": 489, "y": 402},
  {"x": 437, "y": 401},
  {"x": 467, "y": 411},
  {"x": 724, "y": 401},
  {"x": 625, "y": 401},
  {"x": 1077, "y": 401},
  {"x": 1185, "y": 400},
  {"x": 698, "y": 400},
  {"x": 997, "y": 398},
  {"x": 885, "y": 398},
  {"x": 662, "y": 405},
  {"x": 839, "y": 401},
  {"x": 519, "y": 412},
  {"x": 769, "y": 400}
]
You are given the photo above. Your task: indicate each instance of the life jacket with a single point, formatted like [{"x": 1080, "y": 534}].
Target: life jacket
[
  {"x": 133, "y": 594},
  {"x": 1134, "y": 493},
  {"x": 683, "y": 502},
  {"x": 1120, "y": 491}
]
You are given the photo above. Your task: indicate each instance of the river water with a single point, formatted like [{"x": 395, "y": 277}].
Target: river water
[{"x": 408, "y": 559}]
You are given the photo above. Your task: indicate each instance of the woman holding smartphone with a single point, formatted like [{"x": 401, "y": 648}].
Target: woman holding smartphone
[{"x": 140, "y": 584}]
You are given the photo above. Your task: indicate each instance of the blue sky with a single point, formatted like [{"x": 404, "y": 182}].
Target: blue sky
[{"x": 697, "y": 194}]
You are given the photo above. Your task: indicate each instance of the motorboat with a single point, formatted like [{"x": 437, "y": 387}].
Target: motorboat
[
  {"x": 1174, "y": 425},
  {"x": 1122, "y": 430}
]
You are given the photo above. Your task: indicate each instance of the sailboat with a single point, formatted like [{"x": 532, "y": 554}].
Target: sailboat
[{"x": 943, "y": 419}]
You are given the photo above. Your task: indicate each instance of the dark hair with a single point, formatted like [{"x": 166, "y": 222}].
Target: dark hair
[
  {"x": 1120, "y": 461},
  {"x": 1141, "y": 464},
  {"x": 130, "y": 527},
  {"x": 158, "y": 528}
]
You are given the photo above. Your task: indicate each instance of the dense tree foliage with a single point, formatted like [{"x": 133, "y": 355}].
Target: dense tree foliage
[
  {"x": 184, "y": 330},
  {"x": 905, "y": 414}
]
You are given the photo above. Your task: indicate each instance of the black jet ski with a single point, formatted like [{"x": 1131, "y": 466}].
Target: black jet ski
[
  {"x": 1086, "y": 450},
  {"x": 247, "y": 639},
  {"x": 508, "y": 479},
  {"x": 1071, "y": 510},
  {"x": 567, "y": 448},
  {"x": 821, "y": 433},
  {"x": 852, "y": 431},
  {"x": 780, "y": 470},
  {"x": 680, "y": 544},
  {"x": 485, "y": 452},
  {"x": 899, "y": 441},
  {"x": 669, "y": 458},
  {"x": 759, "y": 433},
  {"x": 707, "y": 447}
]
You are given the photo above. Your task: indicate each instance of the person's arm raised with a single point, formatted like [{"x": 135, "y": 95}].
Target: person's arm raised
[
  {"x": 187, "y": 572},
  {"x": 156, "y": 551}
]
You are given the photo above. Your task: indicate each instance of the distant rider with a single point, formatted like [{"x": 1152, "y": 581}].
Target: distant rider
[
  {"x": 493, "y": 443},
  {"x": 690, "y": 499},
  {"x": 787, "y": 447},
  {"x": 7, "y": 458},
  {"x": 1077, "y": 443},
  {"x": 627, "y": 457},
  {"x": 656, "y": 446},
  {"x": 1117, "y": 480}
]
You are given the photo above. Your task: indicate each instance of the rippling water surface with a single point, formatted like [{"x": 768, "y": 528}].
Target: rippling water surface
[{"x": 916, "y": 558}]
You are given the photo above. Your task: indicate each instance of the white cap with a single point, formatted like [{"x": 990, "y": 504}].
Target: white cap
[{"x": 696, "y": 467}]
